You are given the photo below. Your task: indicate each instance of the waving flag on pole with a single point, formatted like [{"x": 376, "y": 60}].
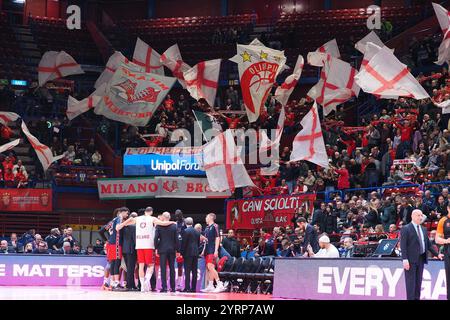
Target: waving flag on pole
[
  {"x": 171, "y": 58},
  {"x": 207, "y": 124},
  {"x": 133, "y": 96},
  {"x": 331, "y": 47},
  {"x": 336, "y": 84},
  {"x": 283, "y": 92},
  {"x": 6, "y": 117},
  {"x": 9, "y": 145},
  {"x": 444, "y": 22},
  {"x": 308, "y": 144},
  {"x": 385, "y": 75},
  {"x": 256, "y": 42},
  {"x": 371, "y": 37},
  {"x": 202, "y": 80},
  {"x": 55, "y": 65},
  {"x": 147, "y": 58},
  {"x": 223, "y": 164},
  {"x": 75, "y": 107},
  {"x": 43, "y": 152},
  {"x": 258, "y": 68},
  {"x": 116, "y": 59}
]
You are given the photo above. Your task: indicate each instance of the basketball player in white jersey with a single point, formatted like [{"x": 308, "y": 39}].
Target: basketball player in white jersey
[{"x": 145, "y": 247}]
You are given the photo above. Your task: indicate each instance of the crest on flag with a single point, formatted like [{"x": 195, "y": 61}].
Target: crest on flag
[
  {"x": 258, "y": 68},
  {"x": 133, "y": 96},
  {"x": 171, "y": 58},
  {"x": 308, "y": 144},
  {"x": 55, "y": 65},
  {"x": 147, "y": 58},
  {"x": 283, "y": 92},
  {"x": 202, "y": 80}
]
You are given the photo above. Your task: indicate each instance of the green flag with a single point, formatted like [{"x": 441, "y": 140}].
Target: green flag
[{"x": 207, "y": 124}]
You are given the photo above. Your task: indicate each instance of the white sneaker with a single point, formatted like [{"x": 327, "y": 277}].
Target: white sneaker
[
  {"x": 208, "y": 289},
  {"x": 220, "y": 288}
]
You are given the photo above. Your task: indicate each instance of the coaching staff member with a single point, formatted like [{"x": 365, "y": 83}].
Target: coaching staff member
[
  {"x": 443, "y": 238},
  {"x": 128, "y": 238},
  {"x": 414, "y": 244},
  {"x": 189, "y": 250},
  {"x": 166, "y": 244}
]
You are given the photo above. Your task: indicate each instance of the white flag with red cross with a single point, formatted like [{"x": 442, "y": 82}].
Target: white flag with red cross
[
  {"x": 283, "y": 92},
  {"x": 9, "y": 146},
  {"x": 147, "y": 58},
  {"x": 6, "y": 117},
  {"x": 223, "y": 164},
  {"x": 55, "y": 65},
  {"x": 371, "y": 37},
  {"x": 331, "y": 47},
  {"x": 444, "y": 22},
  {"x": 171, "y": 58},
  {"x": 308, "y": 144},
  {"x": 258, "y": 69},
  {"x": 132, "y": 96},
  {"x": 202, "y": 80},
  {"x": 336, "y": 84},
  {"x": 114, "y": 61},
  {"x": 385, "y": 75},
  {"x": 43, "y": 152},
  {"x": 75, "y": 107}
]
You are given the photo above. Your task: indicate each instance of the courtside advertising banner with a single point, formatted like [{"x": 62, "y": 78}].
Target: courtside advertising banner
[
  {"x": 29, "y": 200},
  {"x": 269, "y": 211},
  {"x": 353, "y": 279},
  {"x": 157, "y": 187},
  {"x": 157, "y": 161}
]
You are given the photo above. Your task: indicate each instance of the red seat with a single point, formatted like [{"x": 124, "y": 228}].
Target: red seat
[{"x": 221, "y": 263}]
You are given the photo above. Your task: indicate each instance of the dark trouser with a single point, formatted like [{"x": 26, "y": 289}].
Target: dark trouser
[
  {"x": 164, "y": 258},
  {"x": 115, "y": 267},
  {"x": 447, "y": 273},
  {"x": 153, "y": 280},
  {"x": 413, "y": 279},
  {"x": 190, "y": 266},
  {"x": 130, "y": 262}
]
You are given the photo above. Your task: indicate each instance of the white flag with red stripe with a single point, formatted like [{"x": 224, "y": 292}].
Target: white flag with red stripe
[
  {"x": 385, "y": 75},
  {"x": 6, "y": 117},
  {"x": 9, "y": 145},
  {"x": 171, "y": 58},
  {"x": 308, "y": 144},
  {"x": 114, "y": 61},
  {"x": 444, "y": 22},
  {"x": 147, "y": 58},
  {"x": 258, "y": 68},
  {"x": 55, "y": 65},
  {"x": 75, "y": 107},
  {"x": 202, "y": 80},
  {"x": 283, "y": 92},
  {"x": 43, "y": 152},
  {"x": 336, "y": 84},
  {"x": 223, "y": 164},
  {"x": 267, "y": 144},
  {"x": 331, "y": 47}
]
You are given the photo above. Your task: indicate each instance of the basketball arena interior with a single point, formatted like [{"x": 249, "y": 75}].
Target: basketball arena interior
[{"x": 258, "y": 150}]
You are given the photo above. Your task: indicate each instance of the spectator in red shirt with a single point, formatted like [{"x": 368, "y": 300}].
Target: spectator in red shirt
[
  {"x": 343, "y": 179},
  {"x": 168, "y": 104},
  {"x": 8, "y": 164},
  {"x": 9, "y": 176},
  {"x": 283, "y": 188},
  {"x": 21, "y": 178}
]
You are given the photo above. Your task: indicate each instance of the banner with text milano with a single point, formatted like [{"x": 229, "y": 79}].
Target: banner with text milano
[{"x": 157, "y": 187}]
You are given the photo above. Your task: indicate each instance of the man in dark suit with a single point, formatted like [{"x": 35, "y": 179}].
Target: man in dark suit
[
  {"x": 189, "y": 250},
  {"x": 414, "y": 244},
  {"x": 128, "y": 239},
  {"x": 310, "y": 237},
  {"x": 166, "y": 244}
]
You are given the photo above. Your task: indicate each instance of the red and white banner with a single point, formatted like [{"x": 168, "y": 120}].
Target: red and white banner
[
  {"x": 6, "y": 117},
  {"x": 147, "y": 58},
  {"x": 202, "y": 80},
  {"x": 258, "y": 69},
  {"x": 75, "y": 107},
  {"x": 371, "y": 37},
  {"x": 284, "y": 91},
  {"x": 133, "y": 96},
  {"x": 114, "y": 61},
  {"x": 269, "y": 212},
  {"x": 9, "y": 145},
  {"x": 172, "y": 59},
  {"x": 444, "y": 22},
  {"x": 397, "y": 162},
  {"x": 55, "y": 65},
  {"x": 331, "y": 47},
  {"x": 165, "y": 150},
  {"x": 26, "y": 200},
  {"x": 158, "y": 187}
]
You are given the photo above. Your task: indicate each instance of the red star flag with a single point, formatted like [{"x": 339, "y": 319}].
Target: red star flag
[
  {"x": 172, "y": 59},
  {"x": 258, "y": 68},
  {"x": 283, "y": 92},
  {"x": 223, "y": 164},
  {"x": 444, "y": 22},
  {"x": 43, "y": 152},
  {"x": 336, "y": 84},
  {"x": 6, "y": 117},
  {"x": 385, "y": 75},
  {"x": 55, "y": 65},
  {"x": 256, "y": 42},
  {"x": 308, "y": 144},
  {"x": 9, "y": 145},
  {"x": 202, "y": 80},
  {"x": 133, "y": 96},
  {"x": 147, "y": 58}
]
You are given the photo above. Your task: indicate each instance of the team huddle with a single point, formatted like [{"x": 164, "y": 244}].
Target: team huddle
[{"x": 139, "y": 243}]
